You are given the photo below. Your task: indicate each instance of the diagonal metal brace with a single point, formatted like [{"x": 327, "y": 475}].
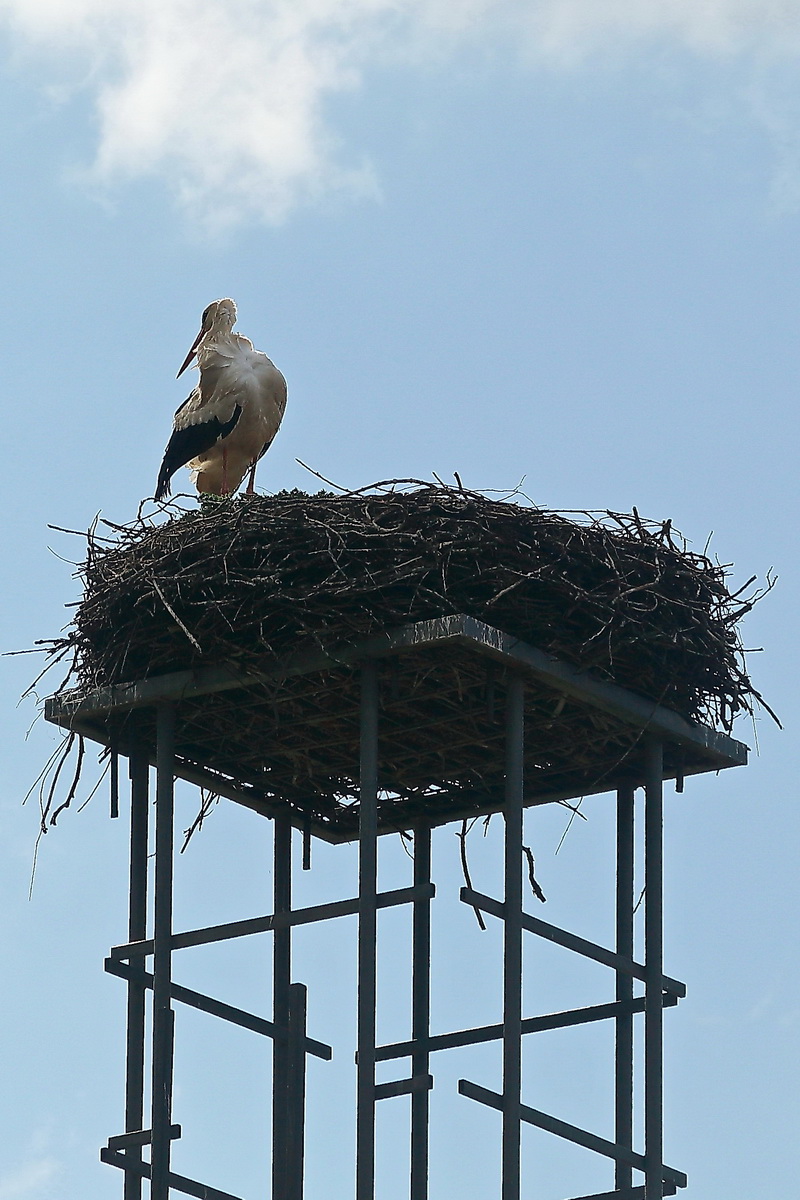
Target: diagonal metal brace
[
  {"x": 571, "y": 941},
  {"x": 636, "y": 1193},
  {"x": 180, "y": 1183},
  {"x": 571, "y": 1133},
  {"x": 217, "y": 1008}
]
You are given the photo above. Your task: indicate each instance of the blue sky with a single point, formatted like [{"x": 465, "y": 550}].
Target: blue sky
[{"x": 550, "y": 240}]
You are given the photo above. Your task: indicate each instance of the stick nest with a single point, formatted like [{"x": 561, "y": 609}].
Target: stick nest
[{"x": 247, "y": 580}]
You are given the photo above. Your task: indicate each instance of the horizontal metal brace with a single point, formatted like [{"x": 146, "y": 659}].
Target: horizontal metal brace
[
  {"x": 403, "y": 1087},
  {"x": 139, "y": 1137},
  {"x": 571, "y": 941},
  {"x": 492, "y": 1033},
  {"x": 217, "y": 1008},
  {"x": 571, "y": 1133},
  {"x": 189, "y": 1187},
  {"x": 298, "y": 916},
  {"x": 635, "y": 1193}
]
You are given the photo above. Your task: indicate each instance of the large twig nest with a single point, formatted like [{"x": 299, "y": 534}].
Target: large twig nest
[{"x": 248, "y": 580}]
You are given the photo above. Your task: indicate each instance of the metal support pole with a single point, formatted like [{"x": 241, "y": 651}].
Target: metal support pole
[
  {"x": 163, "y": 1016},
  {"x": 367, "y": 933},
  {"x": 512, "y": 964},
  {"x": 296, "y": 1106},
  {"x": 420, "y": 1014},
  {"x": 623, "y": 1056},
  {"x": 137, "y": 931},
  {"x": 654, "y": 959},
  {"x": 113, "y": 762},
  {"x": 281, "y": 980}
]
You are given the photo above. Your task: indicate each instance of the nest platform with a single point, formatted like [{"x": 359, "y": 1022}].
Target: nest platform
[{"x": 254, "y": 617}]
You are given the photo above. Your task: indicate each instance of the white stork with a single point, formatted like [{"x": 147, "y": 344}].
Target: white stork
[{"x": 230, "y": 419}]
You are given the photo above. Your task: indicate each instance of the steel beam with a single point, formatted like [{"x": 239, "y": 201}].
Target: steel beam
[
  {"x": 137, "y": 928},
  {"x": 296, "y": 1098},
  {"x": 216, "y": 1008},
  {"x": 512, "y": 938},
  {"x": 571, "y": 1133},
  {"x": 571, "y": 941},
  {"x": 421, "y": 1012},
  {"x": 367, "y": 933},
  {"x": 163, "y": 1017},
  {"x": 623, "y": 1048},
  {"x": 113, "y": 763},
  {"x": 138, "y": 1137},
  {"x": 281, "y": 980},
  {"x": 493, "y": 1033},
  {"x": 636, "y": 1193},
  {"x": 404, "y": 1087},
  {"x": 282, "y": 920},
  {"x": 654, "y": 957},
  {"x": 176, "y": 1183}
]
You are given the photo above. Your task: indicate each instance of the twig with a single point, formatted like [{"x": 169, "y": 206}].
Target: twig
[
  {"x": 462, "y": 837},
  {"x": 575, "y": 813},
  {"x": 93, "y": 792},
  {"x": 537, "y": 891},
  {"x": 75, "y": 781},
  {"x": 207, "y": 802},
  {"x": 330, "y": 482},
  {"x": 176, "y": 618}
]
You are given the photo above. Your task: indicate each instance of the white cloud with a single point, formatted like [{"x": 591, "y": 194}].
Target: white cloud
[
  {"x": 225, "y": 99},
  {"x": 28, "y": 1182},
  {"x": 718, "y": 27}
]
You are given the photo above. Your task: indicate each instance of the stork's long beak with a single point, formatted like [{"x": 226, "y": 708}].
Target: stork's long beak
[{"x": 191, "y": 353}]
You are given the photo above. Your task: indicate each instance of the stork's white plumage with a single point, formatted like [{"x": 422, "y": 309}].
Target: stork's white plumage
[{"x": 230, "y": 419}]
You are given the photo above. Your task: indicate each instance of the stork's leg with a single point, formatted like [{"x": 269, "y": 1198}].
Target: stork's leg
[
  {"x": 251, "y": 483},
  {"x": 224, "y": 471}
]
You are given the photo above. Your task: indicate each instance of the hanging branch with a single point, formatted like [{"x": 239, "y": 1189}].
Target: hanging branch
[
  {"x": 207, "y": 802},
  {"x": 73, "y": 786},
  {"x": 462, "y": 837},
  {"x": 537, "y": 891}
]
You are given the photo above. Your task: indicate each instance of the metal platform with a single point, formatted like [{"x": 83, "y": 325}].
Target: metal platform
[
  {"x": 495, "y": 724},
  {"x": 287, "y": 740}
]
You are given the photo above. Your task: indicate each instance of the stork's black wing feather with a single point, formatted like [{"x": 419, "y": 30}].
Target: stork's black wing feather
[{"x": 185, "y": 444}]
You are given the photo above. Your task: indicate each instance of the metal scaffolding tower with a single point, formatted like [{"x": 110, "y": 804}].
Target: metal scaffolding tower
[{"x": 157, "y": 722}]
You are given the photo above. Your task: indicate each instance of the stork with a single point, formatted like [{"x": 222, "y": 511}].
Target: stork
[{"x": 230, "y": 419}]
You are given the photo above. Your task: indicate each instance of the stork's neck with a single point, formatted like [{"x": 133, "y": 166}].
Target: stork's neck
[
  {"x": 221, "y": 345},
  {"x": 219, "y": 337}
]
